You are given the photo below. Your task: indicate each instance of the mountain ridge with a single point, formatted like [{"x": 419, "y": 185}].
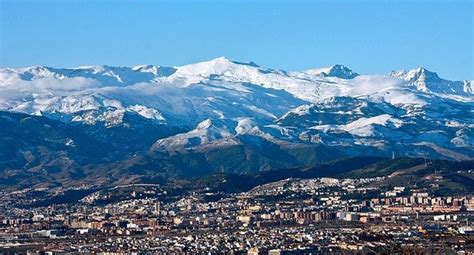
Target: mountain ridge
[{"x": 214, "y": 115}]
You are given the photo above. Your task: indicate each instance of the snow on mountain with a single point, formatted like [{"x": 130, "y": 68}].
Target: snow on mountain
[
  {"x": 364, "y": 127},
  {"x": 338, "y": 71},
  {"x": 304, "y": 86},
  {"x": 146, "y": 112},
  {"x": 207, "y": 132},
  {"x": 220, "y": 101},
  {"x": 214, "y": 133},
  {"x": 427, "y": 81},
  {"x": 102, "y": 75}
]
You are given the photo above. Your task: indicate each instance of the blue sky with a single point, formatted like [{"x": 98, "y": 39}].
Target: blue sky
[{"x": 368, "y": 36}]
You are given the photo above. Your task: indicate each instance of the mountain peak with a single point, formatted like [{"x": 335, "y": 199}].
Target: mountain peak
[
  {"x": 220, "y": 66},
  {"x": 341, "y": 71},
  {"x": 428, "y": 81},
  {"x": 338, "y": 70},
  {"x": 216, "y": 63},
  {"x": 423, "y": 72},
  {"x": 223, "y": 60},
  {"x": 417, "y": 74},
  {"x": 37, "y": 69},
  {"x": 220, "y": 60}
]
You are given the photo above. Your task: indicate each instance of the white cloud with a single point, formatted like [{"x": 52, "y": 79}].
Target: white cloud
[
  {"x": 369, "y": 84},
  {"x": 65, "y": 84}
]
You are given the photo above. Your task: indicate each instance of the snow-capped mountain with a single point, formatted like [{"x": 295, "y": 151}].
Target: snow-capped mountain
[
  {"x": 427, "y": 81},
  {"x": 338, "y": 71},
  {"x": 223, "y": 104}
]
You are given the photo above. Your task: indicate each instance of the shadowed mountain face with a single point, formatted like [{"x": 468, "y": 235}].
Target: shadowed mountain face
[
  {"x": 35, "y": 150},
  {"x": 148, "y": 123}
]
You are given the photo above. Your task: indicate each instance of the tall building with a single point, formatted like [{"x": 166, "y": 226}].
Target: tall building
[{"x": 157, "y": 210}]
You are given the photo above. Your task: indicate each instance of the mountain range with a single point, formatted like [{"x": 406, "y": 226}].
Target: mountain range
[{"x": 104, "y": 124}]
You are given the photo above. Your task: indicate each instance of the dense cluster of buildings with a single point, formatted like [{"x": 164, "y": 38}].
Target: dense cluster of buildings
[{"x": 292, "y": 216}]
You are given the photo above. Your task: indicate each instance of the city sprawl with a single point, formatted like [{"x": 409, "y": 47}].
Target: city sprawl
[{"x": 292, "y": 216}]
